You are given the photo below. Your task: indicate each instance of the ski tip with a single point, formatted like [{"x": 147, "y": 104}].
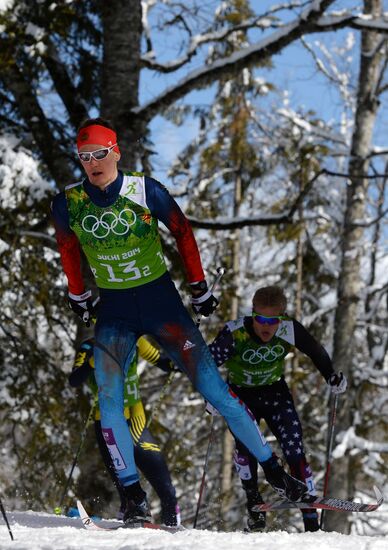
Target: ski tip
[
  {"x": 379, "y": 494},
  {"x": 82, "y": 512}
]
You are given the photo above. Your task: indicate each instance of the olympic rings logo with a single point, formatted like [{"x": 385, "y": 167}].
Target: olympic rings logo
[
  {"x": 108, "y": 221},
  {"x": 255, "y": 356}
]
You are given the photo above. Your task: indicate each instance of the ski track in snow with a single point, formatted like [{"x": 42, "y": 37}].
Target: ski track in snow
[{"x": 41, "y": 531}]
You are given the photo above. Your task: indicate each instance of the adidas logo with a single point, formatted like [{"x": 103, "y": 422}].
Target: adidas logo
[{"x": 188, "y": 345}]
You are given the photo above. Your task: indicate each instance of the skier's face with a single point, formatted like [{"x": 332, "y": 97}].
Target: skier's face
[
  {"x": 265, "y": 322},
  {"x": 100, "y": 172}
]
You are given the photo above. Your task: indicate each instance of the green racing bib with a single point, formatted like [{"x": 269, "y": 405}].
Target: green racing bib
[
  {"x": 258, "y": 363},
  {"x": 121, "y": 242}
]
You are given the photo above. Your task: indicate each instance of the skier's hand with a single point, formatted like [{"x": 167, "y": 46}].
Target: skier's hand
[
  {"x": 165, "y": 364},
  {"x": 210, "y": 409},
  {"x": 83, "y": 363},
  {"x": 83, "y": 306},
  {"x": 338, "y": 383},
  {"x": 202, "y": 301}
]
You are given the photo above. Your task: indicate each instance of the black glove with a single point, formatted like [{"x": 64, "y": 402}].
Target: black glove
[
  {"x": 203, "y": 302},
  {"x": 337, "y": 382},
  {"x": 83, "y": 363},
  {"x": 165, "y": 364},
  {"x": 82, "y": 305}
]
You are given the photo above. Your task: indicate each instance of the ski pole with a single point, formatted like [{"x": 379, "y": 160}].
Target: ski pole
[
  {"x": 330, "y": 440},
  {"x": 6, "y": 519},
  {"x": 202, "y": 486},
  {"x": 58, "y": 509},
  {"x": 220, "y": 271}
]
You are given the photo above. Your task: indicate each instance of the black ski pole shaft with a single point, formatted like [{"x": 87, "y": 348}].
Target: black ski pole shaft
[
  {"x": 58, "y": 509},
  {"x": 6, "y": 519},
  {"x": 202, "y": 486},
  {"x": 329, "y": 449},
  {"x": 220, "y": 273}
]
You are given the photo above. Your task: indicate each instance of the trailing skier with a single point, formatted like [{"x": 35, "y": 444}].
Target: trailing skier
[
  {"x": 148, "y": 456},
  {"x": 253, "y": 350}
]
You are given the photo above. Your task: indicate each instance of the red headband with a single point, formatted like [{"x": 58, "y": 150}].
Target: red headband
[{"x": 97, "y": 135}]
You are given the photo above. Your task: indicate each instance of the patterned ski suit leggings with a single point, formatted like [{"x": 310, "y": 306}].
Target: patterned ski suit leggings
[
  {"x": 157, "y": 309},
  {"x": 275, "y": 405}
]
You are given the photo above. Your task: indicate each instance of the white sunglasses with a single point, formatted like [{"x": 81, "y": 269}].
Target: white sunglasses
[{"x": 99, "y": 154}]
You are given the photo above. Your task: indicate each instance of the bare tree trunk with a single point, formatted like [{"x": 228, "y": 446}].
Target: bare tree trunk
[
  {"x": 374, "y": 339},
  {"x": 122, "y": 24},
  {"x": 298, "y": 302},
  {"x": 342, "y": 480}
]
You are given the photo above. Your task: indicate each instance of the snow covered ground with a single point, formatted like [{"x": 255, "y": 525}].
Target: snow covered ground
[{"x": 40, "y": 531}]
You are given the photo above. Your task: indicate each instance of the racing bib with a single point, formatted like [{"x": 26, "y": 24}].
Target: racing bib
[{"x": 121, "y": 242}]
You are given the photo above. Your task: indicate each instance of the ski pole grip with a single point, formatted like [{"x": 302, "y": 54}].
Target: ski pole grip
[{"x": 220, "y": 273}]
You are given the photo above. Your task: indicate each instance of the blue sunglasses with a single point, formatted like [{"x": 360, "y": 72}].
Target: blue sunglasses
[{"x": 263, "y": 320}]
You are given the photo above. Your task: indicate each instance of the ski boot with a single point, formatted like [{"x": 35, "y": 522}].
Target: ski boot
[
  {"x": 257, "y": 524},
  {"x": 137, "y": 511},
  {"x": 121, "y": 512},
  {"x": 137, "y": 514},
  {"x": 256, "y": 520},
  {"x": 285, "y": 485},
  {"x": 171, "y": 515},
  {"x": 310, "y": 520}
]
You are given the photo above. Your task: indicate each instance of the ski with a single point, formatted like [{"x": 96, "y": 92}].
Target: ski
[
  {"x": 324, "y": 503},
  {"x": 91, "y": 525}
]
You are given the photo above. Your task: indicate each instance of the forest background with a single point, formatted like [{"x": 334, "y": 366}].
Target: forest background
[{"x": 268, "y": 124}]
